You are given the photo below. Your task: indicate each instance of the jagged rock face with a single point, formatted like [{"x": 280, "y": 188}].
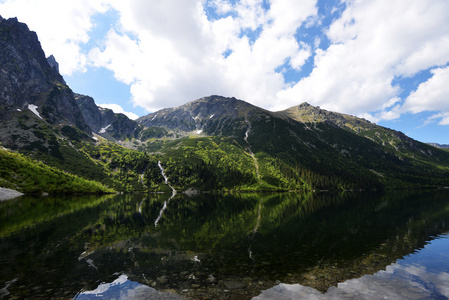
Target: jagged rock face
[
  {"x": 27, "y": 78},
  {"x": 94, "y": 117},
  {"x": 25, "y": 72},
  {"x": 104, "y": 121}
]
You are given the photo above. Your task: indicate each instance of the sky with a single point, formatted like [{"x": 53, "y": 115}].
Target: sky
[{"x": 382, "y": 60}]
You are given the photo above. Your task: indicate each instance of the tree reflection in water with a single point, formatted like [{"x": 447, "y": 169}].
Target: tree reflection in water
[{"x": 215, "y": 246}]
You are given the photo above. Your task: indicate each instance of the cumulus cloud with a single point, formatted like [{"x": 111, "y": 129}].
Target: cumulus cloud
[
  {"x": 431, "y": 95},
  {"x": 176, "y": 56},
  {"x": 119, "y": 110},
  {"x": 172, "y": 51},
  {"x": 372, "y": 43}
]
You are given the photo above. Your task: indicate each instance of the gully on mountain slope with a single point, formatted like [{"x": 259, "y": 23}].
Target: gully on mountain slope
[
  {"x": 256, "y": 164},
  {"x": 164, "y": 207}
]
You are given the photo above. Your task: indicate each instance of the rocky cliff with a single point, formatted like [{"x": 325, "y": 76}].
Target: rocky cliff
[
  {"x": 29, "y": 82},
  {"x": 95, "y": 117}
]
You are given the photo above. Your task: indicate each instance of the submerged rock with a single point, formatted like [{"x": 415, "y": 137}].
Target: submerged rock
[{"x": 233, "y": 284}]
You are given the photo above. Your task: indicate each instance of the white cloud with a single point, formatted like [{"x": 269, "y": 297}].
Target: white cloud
[
  {"x": 118, "y": 46},
  {"x": 288, "y": 15},
  {"x": 176, "y": 56},
  {"x": 444, "y": 118},
  {"x": 251, "y": 14},
  {"x": 299, "y": 59},
  {"x": 434, "y": 52},
  {"x": 221, "y": 6},
  {"x": 396, "y": 282},
  {"x": 169, "y": 52},
  {"x": 372, "y": 43},
  {"x": 432, "y": 95},
  {"x": 119, "y": 110}
]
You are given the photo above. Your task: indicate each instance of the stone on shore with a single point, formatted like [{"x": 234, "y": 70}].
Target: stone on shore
[{"x": 8, "y": 194}]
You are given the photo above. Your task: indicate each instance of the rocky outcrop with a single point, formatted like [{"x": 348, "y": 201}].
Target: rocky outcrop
[
  {"x": 53, "y": 63},
  {"x": 122, "y": 127},
  {"x": 25, "y": 72}
]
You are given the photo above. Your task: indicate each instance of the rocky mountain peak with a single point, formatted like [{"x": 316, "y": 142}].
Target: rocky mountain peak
[
  {"x": 211, "y": 115},
  {"x": 53, "y": 63},
  {"x": 304, "y": 105},
  {"x": 218, "y": 106}
]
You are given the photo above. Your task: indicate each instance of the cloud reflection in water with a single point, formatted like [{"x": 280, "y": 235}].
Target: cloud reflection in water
[{"x": 408, "y": 278}]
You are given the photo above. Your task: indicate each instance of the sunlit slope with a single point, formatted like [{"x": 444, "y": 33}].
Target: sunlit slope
[{"x": 29, "y": 176}]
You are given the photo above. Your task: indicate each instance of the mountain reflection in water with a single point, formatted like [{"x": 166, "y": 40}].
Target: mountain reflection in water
[{"x": 267, "y": 246}]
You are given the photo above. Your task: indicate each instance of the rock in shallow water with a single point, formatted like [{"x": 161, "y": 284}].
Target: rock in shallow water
[{"x": 233, "y": 285}]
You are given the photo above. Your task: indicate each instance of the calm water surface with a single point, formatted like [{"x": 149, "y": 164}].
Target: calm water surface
[{"x": 262, "y": 246}]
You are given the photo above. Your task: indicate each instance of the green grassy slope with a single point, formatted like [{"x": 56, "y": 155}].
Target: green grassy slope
[{"x": 29, "y": 176}]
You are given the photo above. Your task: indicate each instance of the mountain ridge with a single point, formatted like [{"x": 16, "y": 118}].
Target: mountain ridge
[
  {"x": 444, "y": 146},
  {"x": 211, "y": 115},
  {"x": 211, "y": 143},
  {"x": 192, "y": 117},
  {"x": 351, "y": 142}
]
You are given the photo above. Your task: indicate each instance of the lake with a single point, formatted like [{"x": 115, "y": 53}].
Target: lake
[{"x": 357, "y": 245}]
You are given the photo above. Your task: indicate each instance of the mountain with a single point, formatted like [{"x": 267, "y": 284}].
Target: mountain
[
  {"x": 213, "y": 115},
  {"x": 39, "y": 116},
  {"x": 36, "y": 103},
  {"x": 208, "y": 116},
  {"x": 304, "y": 141},
  {"x": 307, "y": 113},
  {"x": 439, "y": 145},
  {"x": 213, "y": 143}
]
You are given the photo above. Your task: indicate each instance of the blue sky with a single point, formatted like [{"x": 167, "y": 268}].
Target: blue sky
[{"x": 386, "y": 61}]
